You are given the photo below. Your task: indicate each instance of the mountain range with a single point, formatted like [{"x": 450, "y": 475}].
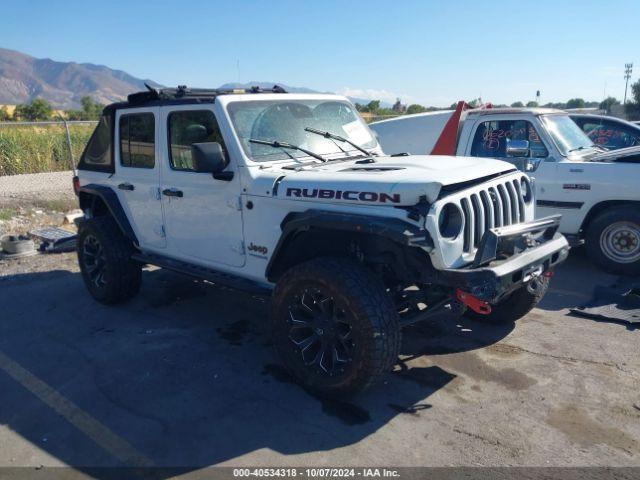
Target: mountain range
[{"x": 24, "y": 78}]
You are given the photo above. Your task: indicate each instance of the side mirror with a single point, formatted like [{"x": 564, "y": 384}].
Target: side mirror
[
  {"x": 517, "y": 148},
  {"x": 209, "y": 157}
]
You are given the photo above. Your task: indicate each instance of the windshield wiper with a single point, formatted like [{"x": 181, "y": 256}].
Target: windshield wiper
[
  {"x": 581, "y": 147},
  {"x": 333, "y": 136},
  {"x": 276, "y": 144}
]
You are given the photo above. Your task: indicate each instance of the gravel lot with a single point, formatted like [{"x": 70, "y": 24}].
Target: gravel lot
[
  {"x": 184, "y": 375},
  {"x": 54, "y": 185}
]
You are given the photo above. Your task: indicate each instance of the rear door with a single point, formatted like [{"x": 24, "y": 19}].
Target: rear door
[
  {"x": 137, "y": 173},
  {"x": 203, "y": 216}
]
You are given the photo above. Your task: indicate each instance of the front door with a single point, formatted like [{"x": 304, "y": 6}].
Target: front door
[
  {"x": 137, "y": 173},
  {"x": 203, "y": 220}
]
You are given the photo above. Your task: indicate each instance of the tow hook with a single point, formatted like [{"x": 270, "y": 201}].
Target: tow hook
[{"x": 473, "y": 302}]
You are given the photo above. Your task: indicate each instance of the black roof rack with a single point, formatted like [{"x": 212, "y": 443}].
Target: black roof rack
[{"x": 183, "y": 94}]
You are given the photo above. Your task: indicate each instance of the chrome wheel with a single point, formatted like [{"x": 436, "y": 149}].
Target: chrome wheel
[
  {"x": 620, "y": 242},
  {"x": 94, "y": 260},
  {"x": 320, "y": 333}
]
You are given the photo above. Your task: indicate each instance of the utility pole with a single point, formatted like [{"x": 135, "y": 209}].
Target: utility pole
[{"x": 628, "y": 67}]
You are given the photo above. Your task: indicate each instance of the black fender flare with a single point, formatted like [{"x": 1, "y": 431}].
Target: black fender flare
[
  {"x": 394, "y": 229},
  {"x": 110, "y": 199}
]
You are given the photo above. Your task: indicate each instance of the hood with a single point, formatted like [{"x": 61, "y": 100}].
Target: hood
[
  {"x": 394, "y": 181},
  {"x": 630, "y": 155}
]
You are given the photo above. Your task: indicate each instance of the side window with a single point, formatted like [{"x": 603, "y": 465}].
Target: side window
[
  {"x": 612, "y": 135},
  {"x": 186, "y": 128},
  {"x": 97, "y": 153},
  {"x": 137, "y": 140},
  {"x": 490, "y": 139}
]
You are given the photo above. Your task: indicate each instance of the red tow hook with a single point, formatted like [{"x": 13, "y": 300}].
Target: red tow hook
[
  {"x": 548, "y": 273},
  {"x": 473, "y": 302}
]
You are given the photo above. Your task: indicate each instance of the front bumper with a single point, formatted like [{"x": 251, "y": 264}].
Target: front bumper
[{"x": 509, "y": 257}]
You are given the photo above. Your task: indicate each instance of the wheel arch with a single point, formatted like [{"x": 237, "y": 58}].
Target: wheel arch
[
  {"x": 313, "y": 233},
  {"x": 600, "y": 207},
  {"x": 100, "y": 200}
]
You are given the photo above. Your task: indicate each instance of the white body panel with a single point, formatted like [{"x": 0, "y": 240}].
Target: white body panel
[
  {"x": 204, "y": 226},
  {"x": 569, "y": 185},
  {"x": 142, "y": 204},
  {"x": 417, "y": 136}
]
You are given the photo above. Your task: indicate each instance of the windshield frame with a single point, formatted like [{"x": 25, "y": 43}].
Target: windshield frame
[
  {"x": 562, "y": 150},
  {"x": 349, "y": 151}
]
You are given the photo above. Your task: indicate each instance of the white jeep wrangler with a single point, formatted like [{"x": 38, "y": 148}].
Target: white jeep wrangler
[{"x": 290, "y": 195}]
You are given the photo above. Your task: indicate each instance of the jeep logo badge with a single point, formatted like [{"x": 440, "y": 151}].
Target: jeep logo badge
[{"x": 262, "y": 250}]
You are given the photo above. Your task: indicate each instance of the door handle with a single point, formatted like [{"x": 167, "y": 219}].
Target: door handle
[
  {"x": 126, "y": 186},
  {"x": 172, "y": 192}
]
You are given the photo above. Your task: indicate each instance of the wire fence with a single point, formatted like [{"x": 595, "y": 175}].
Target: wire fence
[{"x": 37, "y": 147}]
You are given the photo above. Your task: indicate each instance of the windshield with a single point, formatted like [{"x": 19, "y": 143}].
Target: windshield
[
  {"x": 567, "y": 135},
  {"x": 285, "y": 121}
]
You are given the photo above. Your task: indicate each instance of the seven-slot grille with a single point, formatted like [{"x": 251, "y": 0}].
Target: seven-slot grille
[{"x": 494, "y": 206}]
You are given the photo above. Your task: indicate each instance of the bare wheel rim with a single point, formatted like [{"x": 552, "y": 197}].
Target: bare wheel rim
[
  {"x": 620, "y": 242},
  {"x": 94, "y": 260},
  {"x": 320, "y": 333}
]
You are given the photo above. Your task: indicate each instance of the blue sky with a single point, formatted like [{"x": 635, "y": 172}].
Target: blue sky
[{"x": 430, "y": 52}]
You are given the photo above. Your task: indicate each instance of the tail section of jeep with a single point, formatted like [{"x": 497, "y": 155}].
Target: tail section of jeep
[{"x": 290, "y": 195}]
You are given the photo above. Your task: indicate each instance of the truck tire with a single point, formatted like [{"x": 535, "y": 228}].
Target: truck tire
[
  {"x": 516, "y": 305},
  {"x": 104, "y": 255},
  {"x": 334, "y": 326},
  {"x": 613, "y": 240}
]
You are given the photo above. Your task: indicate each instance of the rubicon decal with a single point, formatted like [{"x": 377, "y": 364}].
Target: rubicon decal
[{"x": 352, "y": 195}]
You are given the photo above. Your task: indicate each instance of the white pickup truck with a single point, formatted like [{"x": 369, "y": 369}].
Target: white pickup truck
[{"x": 596, "y": 191}]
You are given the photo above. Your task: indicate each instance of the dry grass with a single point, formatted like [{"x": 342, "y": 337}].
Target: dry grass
[{"x": 36, "y": 149}]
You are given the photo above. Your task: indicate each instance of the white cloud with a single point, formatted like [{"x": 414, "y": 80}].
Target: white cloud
[{"x": 373, "y": 94}]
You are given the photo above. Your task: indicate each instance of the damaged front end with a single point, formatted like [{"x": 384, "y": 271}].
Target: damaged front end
[{"x": 510, "y": 257}]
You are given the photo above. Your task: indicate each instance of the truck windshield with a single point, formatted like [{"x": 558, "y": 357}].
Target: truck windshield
[
  {"x": 567, "y": 135},
  {"x": 286, "y": 120}
]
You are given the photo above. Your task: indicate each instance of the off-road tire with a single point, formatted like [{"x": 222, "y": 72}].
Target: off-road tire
[
  {"x": 363, "y": 299},
  {"x": 600, "y": 238},
  {"x": 121, "y": 276},
  {"x": 515, "y": 306}
]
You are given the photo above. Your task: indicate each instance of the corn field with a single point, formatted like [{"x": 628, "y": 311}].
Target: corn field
[{"x": 36, "y": 148}]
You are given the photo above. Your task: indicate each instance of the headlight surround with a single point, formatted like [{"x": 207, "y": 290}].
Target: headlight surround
[
  {"x": 527, "y": 189},
  {"x": 450, "y": 221}
]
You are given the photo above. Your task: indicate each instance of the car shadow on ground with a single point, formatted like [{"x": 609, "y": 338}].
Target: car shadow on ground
[{"x": 184, "y": 375}]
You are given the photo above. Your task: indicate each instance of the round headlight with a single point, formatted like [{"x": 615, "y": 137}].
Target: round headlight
[
  {"x": 527, "y": 189},
  {"x": 450, "y": 221}
]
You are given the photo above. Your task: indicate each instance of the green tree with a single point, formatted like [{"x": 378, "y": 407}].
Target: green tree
[
  {"x": 532, "y": 104},
  {"x": 4, "y": 114},
  {"x": 517, "y": 104},
  {"x": 38, "y": 109},
  {"x": 91, "y": 108},
  {"x": 632, "y": 108},
  {"x": 373, "y": 106},
  {"x": 607, "y": 103},
  {"x": 415, "y": 108},
  {"x": 575, "y": 103}
]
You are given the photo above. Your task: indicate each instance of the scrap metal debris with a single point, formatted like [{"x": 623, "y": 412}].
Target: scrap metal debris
[{"x": 55, "y": 239}]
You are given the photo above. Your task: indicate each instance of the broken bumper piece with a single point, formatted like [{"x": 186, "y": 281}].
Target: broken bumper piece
[{"x": 510, "y": 257}]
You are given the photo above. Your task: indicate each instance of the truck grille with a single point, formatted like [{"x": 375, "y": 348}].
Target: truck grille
[{"x": 498, "y": 205}]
